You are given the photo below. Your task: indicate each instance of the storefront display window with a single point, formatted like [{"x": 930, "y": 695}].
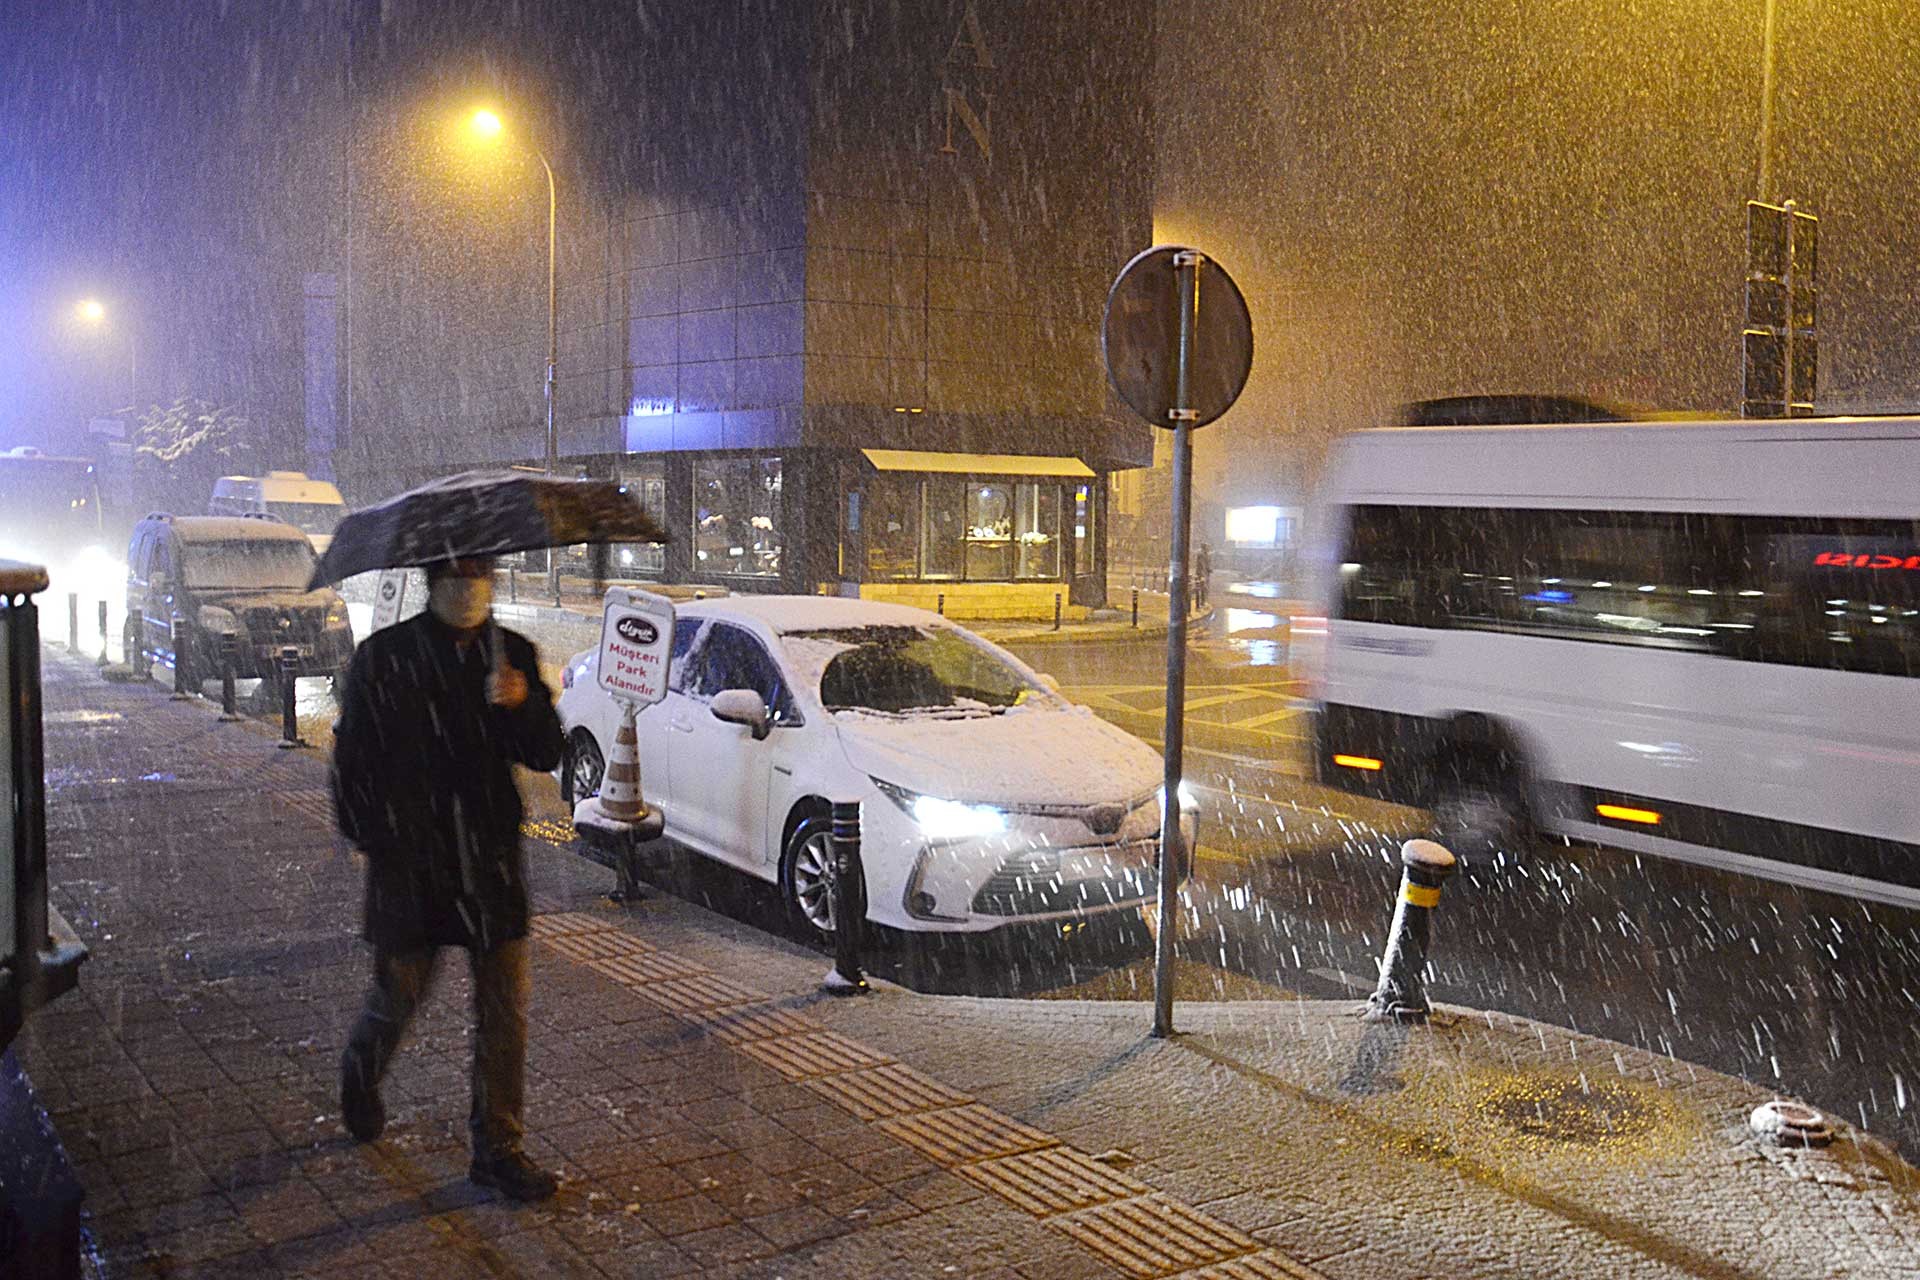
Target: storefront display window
[
  {"x": 736, "y": 517},
  {"x": 989, "y": 532},
  {"x": 1036, "y": 529},
  {"x": 964, "y": 528},
  {"x": 892, "y": 525},
  {"x": 943, "y": 535}
]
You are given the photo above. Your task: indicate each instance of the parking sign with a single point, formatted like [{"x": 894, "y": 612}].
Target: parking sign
[{"x": 636, "y": 633}]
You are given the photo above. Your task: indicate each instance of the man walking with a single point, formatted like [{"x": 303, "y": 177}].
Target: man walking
[
  {"x": 1202, "y": 575},
  {"x": 435, "y": 712}
]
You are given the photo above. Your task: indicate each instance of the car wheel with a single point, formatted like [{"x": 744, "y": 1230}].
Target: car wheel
[
  {"x": 1478, "y": 809},
  {"x": 806, "y": 874},
  {"x": 582, "y": 769}
]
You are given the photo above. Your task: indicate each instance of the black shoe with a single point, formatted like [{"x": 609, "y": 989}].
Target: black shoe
[
  {"x": 360, "y": 1107},
  {"x": 513, "y": 1176}
]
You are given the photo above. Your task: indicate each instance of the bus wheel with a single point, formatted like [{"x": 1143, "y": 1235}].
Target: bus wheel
[{"x": 1478, "y": 809}]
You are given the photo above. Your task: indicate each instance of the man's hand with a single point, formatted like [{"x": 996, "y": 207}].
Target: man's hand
[{"x": 507, "y": 688}]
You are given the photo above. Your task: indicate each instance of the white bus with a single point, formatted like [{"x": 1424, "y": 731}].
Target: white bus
[{"x": 1696, "y": 639}]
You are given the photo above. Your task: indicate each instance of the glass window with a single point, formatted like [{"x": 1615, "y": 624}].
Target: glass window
[
  {"x": 736, "y": 517},
  {"x": 309, "y": 517},
  {"x": 1800, "y": 591},
  {"x": 684, "y": 630},
  {"x": 989, "y": 531},
  {"x": 1036, "y": 528},
  {"x": 943, "y": 537},
  {"x": 646, "y": 481},
  {"x": 730, "y": 658},
  {"x": 891, "y": 523},
  {"x": 901, "y": 670},
  {"x": 263, "y": 565}
]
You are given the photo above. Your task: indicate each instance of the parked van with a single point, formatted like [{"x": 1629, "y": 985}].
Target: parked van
[
  {"x": 312, "y": 506},
  {"x": 1699, "y": 640},
  {"x": 195, "y": 578}
]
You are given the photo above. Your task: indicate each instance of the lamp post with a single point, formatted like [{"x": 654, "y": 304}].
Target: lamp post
[
  {"x": 1768, "y": 44},
  {"x": 487, "y": 125},
  {"x": 92, "y": 313}
]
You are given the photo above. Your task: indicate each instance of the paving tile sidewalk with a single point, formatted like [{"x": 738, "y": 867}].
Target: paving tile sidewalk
[
  {"x": 714, "y": 1115},
  {"x": 193, "y": 1075}
]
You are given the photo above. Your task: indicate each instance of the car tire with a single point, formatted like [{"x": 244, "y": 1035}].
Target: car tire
[
  {"x": 1479, "y": 808},
  {"x": 806, "y": 882},
  {"x": 582, "y": 769}
]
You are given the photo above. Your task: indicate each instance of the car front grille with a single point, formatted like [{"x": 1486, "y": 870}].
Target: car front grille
[
  {"x": 1047, "y": 881},
  {"x": 269, "y": 625}
]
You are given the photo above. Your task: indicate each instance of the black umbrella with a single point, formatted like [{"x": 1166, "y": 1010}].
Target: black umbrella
[{"x": 483, "y": 513}]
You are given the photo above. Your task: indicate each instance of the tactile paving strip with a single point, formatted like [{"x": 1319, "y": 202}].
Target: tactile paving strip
[
  {"x": 561, "y": 924},
  {"x": 1056, "y": 1180},
  {"x": 1116, "y": 1218},
  {"x": 315, "y": 806},
  {"x": 820, "y": 1054},
  {"x": 883, "y": 1092},
  {"x": 552, "y": 830},
  {"x": 600, "y": 944},
  {"x": 738, "y": 1026},
  {"x": 1154, "y": 1236},
  {"x": 697, "y": 994},
  {"x": 635, "y": 968},
  {"x": 1259, "y": 1266},
  {"x": 963, "y": 1135}
]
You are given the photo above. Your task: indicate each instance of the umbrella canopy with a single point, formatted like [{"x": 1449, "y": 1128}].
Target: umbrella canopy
[{"x": 483, "y": 513}]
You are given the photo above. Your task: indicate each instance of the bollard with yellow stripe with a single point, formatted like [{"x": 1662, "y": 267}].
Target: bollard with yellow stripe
[{"x": 1401, "y": 995}]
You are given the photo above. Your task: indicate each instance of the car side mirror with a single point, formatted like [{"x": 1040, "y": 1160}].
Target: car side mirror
[{"x": 743, "y": 706}]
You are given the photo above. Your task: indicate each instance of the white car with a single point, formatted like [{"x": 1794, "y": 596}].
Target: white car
[{"x": 986, "y": 798}]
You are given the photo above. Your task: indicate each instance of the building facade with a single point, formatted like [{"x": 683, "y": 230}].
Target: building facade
[{"x": 830, "y": 300}]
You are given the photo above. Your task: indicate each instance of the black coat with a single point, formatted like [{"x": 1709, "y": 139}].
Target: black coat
[{"x": 423, "y": 783}]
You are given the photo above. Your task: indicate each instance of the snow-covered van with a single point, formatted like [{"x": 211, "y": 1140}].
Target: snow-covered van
[{"x": 312, "y": 506}]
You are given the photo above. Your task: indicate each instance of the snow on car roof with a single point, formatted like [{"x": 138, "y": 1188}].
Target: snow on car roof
[
  {"x": 785, "y": 614},
  {"x": 234, "y": 529}
]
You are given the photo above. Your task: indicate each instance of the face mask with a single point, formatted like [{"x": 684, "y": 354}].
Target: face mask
[{"x": 461, "y": 602}]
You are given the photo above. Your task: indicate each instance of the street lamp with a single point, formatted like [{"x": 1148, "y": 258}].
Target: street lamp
[
  {"x": 487, "y": 126},
  {"x": 92, "y": 313}
]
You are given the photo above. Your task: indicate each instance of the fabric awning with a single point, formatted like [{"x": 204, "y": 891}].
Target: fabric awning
[{"x": 986, "y": 464}]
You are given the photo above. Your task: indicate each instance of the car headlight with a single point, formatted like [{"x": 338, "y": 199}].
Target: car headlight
[
  {"x": 942, "y": 819},
  {"x": 337, "y": 614},
  {"x": 217, "y": 621}
]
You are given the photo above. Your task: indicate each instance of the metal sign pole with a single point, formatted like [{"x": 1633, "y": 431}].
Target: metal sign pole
[{"x": 1172, "y": 856}]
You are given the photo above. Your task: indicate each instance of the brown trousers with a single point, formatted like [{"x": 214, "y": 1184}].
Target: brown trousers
[{"x": 401, "y": 980}]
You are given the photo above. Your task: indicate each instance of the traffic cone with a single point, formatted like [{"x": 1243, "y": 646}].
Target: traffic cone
[{"x": 620, "y": 788}]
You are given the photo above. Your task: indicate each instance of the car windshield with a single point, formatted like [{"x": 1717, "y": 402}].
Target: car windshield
[
  {"x": 267, "y": 564},
  {"x": 311, "y": 517},
  {"x": 909, "y": 670}
]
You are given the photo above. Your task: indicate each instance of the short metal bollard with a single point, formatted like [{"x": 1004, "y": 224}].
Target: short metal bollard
[
  {"x": 103, "y": 634},
  {"x": 848, "y": 890},
  {"x": 1401, "y": 995},
  {"x": 289, "y": 723},
  {"x": 181, "y": 689},
  {"x": 137, "y": 629},
  {"x": 73, "y": 622},
  {"x": 1056, "y": 611},
  {"x": 1136, "y": 606},
  {"x": 229, "y": 658}
]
